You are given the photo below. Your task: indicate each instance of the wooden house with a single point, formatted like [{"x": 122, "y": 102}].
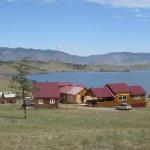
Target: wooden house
[
  {"x": 115, "y": 94},
  {"x": 120, "y": 92},
  {"x": 138, "y": 96},
  {"x": 133, "y": 95},
  {"x": 99, "y": 97},
  {"x": 74, "y": 94},
  {"x": 46, "y": 95}
]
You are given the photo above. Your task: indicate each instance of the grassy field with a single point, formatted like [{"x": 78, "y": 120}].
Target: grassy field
[
  {"x": 5, "y": 83},
  {"x": 74, "y": 129}
]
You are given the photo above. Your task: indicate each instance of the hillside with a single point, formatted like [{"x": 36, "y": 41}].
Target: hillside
[
  {"x": 116, "y": 58},
  {"x": 7, "y": 68}
]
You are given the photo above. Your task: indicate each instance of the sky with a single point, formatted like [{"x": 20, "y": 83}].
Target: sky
[{"x": 78, "y": 27}]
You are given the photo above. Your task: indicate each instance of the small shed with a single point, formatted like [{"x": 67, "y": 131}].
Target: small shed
[{"x": 9, "y": 97}]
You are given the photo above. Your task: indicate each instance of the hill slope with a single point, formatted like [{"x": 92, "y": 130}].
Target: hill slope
[{"x": 116, "y": 58}]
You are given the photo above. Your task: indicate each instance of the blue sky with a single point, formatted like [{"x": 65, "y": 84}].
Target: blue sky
[{"x": 81, "y": 27}]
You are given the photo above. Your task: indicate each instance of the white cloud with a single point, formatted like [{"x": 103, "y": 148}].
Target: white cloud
[
  {"x": 66, "y": 46},
  {"x": 123, "y": 3}
]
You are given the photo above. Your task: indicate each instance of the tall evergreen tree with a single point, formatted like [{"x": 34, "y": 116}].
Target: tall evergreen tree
[{"x": 20, "y": 82}]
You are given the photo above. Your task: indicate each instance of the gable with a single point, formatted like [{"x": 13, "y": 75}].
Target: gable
[
  {"x": 101, "y": 92},
  {"x": 118, "y": 88}
]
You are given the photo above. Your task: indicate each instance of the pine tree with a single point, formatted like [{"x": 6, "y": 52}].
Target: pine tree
[{"x": 20, "y": 81}]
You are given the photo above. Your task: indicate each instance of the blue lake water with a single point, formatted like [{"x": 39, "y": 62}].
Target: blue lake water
[{"x": 97, "y": 79}]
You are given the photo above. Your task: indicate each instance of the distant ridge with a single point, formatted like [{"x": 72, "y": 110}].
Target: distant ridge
[{"x": 115, "y": 58}]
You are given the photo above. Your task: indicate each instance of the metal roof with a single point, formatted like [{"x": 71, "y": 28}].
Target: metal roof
[
  {"x": 118, "y": 87},
  {"x": 72, "y": 90},
  {"x": 137, "y": 90},
  {"x": 101, "y": 92},
  {"x": 46, "y": 90}
]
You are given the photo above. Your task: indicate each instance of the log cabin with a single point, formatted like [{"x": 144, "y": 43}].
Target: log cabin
[
  {"x": 120, "y": 92},
  {"x": 46, "y": 95},
  {"x": 138, "y": 96},
  {"x": 114, "y": 94},
  {"x": 74, "y": 94},
  {"x": 134, "y": 95},
  {"x": 99, "y": 97}
]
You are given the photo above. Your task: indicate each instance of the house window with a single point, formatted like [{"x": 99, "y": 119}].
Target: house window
[
  {"x": 122, "y": 98},
  {"x": 137, "y": 97},
  {"x": 52, "y": 101},
  {"x": 40, "y": 101}
]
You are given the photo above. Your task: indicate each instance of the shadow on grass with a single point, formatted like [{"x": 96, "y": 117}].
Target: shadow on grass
[{"x": 12, "y": 117}]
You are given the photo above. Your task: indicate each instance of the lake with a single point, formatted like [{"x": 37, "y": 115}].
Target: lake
[{"x": 97, "y": 79}]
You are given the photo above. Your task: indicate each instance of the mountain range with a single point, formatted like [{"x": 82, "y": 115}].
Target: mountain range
[{"x": 114, "y": 58}]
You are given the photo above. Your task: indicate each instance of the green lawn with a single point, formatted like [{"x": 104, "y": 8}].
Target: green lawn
[{"x": 74, "y": 129}]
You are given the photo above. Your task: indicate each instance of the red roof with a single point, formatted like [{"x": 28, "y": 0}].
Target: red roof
[
  {"x": 101, "y": 92},
  {"x": 118, "y": 87},
  {"x": 137, "y": 90},
  {"x": 46, "y": 90},
  {"x": 61, "y": 84}
]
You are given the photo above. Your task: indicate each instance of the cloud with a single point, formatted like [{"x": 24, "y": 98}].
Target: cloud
[
  {"x": 123, "y": 3},
  {"x": 66, "y": 46}
]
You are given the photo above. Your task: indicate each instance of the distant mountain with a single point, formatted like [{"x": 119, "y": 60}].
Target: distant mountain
[{"x": 116, "y": 58}]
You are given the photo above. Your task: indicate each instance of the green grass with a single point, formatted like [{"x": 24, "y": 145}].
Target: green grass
[{"x": 74, "y": 129}]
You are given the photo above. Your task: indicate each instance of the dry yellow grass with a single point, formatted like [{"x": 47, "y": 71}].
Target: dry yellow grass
[
  {"x": 4, "y": 84},
  {"x": 74, "y": 129},
  {"x": 6, "y": 69}
]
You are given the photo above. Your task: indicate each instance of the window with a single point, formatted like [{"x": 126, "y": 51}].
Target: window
[
  {"x": 52, "y": 101},
  {"x": 137, "y": 97},
  {"x": 100, "y": 100},
  {"x": 40, "y": 101},
  {"x": 122, "y": 98}
]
